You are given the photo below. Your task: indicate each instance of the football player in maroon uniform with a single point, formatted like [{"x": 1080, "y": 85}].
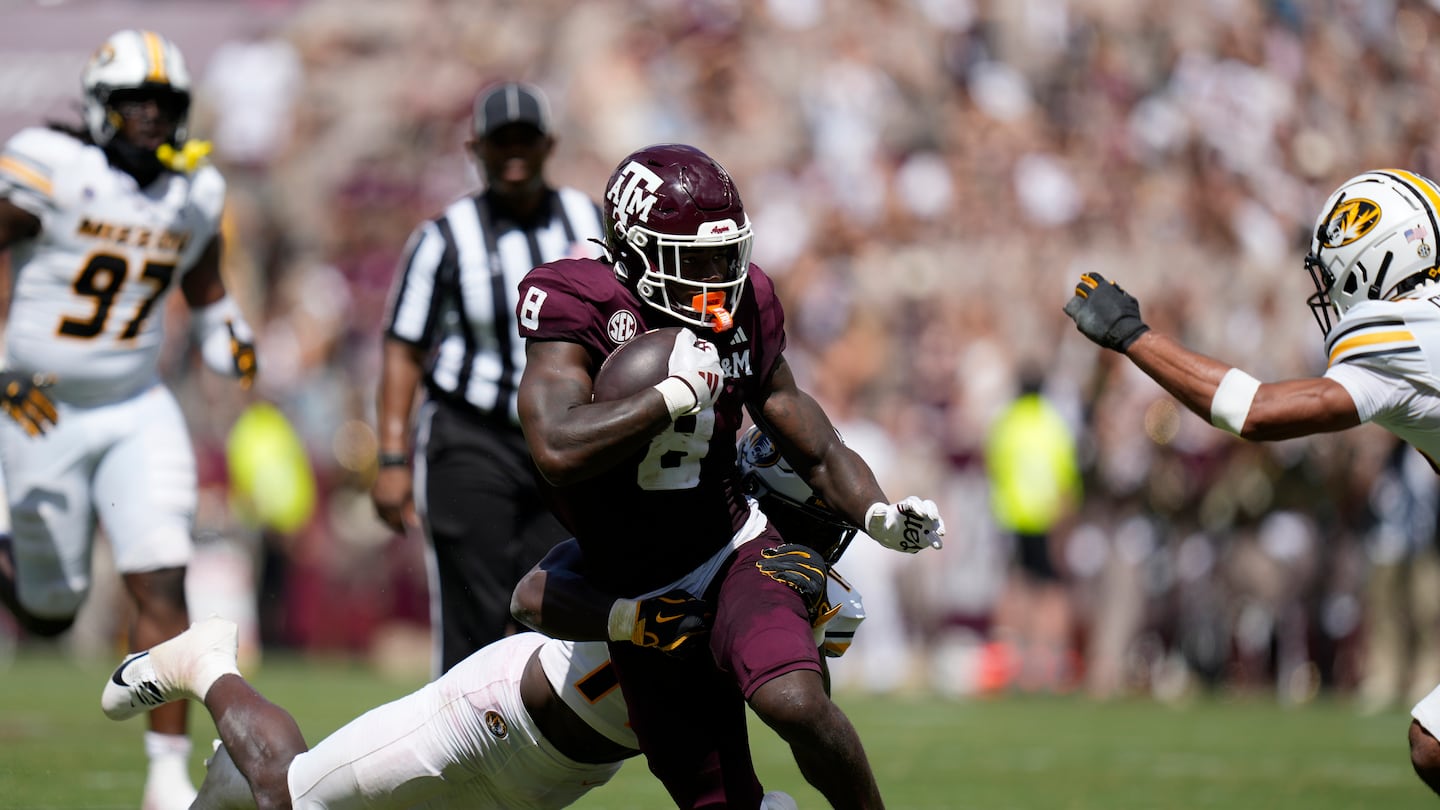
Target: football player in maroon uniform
[{"x": 648, "y": 485}]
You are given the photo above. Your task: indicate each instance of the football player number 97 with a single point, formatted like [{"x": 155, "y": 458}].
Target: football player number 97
[{"x": 101, "y": 279}]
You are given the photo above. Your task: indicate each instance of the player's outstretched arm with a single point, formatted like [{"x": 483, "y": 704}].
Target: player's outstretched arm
[
  {"x": 1227, "y": 397},
  {"x": 1233, "y": 400},
  {"x": 556, "y": 599},
  {"x": 227, "y": 343},
  {"x": 839, "y": 476}
]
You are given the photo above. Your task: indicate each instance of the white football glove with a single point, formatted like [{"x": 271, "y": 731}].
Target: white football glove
[
  {"x": 907, "y": 526},
  {"x": 695, "y": 380}
]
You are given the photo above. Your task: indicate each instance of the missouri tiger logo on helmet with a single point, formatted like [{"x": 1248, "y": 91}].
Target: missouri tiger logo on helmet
[
  {"x": 1374, "y": 240},
  {"x": 1351, "y": 220}
]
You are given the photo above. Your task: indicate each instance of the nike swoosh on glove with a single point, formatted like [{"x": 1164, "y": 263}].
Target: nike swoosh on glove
[
  {"x": 908, "y": 526},
  {"x": 669, "y": 621}
]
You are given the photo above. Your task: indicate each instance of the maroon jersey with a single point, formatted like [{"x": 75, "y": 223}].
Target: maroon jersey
[{"x": 677, "y": 502}]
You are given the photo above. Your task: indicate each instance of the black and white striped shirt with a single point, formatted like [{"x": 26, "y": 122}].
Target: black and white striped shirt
[{"x": 454, "y": 296}]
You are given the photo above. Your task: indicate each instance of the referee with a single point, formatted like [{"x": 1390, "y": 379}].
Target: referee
[{"x": 451, "y": 326}]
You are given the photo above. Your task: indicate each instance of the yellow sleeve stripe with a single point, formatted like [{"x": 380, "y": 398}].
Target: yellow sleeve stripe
[
  {"x": 25, "y": 175},
  {"x": 156, "y": 48},
  {"x": 1370, "y": 339}
]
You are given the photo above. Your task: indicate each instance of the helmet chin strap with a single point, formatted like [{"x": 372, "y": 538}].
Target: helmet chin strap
[{"x": 713, "y": 303}]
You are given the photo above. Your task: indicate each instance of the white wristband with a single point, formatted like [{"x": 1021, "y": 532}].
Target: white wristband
[
  {"x": 875, "y": 518},
  {"x": 1231, "y": 405},
  {"x": 680, "y": 398},
  {"x": 622, "y": 619}
]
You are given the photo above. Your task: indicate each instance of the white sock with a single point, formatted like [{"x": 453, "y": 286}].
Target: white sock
[
  {"x": 167, "y": 780},
  {"x": 167, "y": 747},
  {"x": 169, "y": 771},
  {"x": 207, "y": 672}
]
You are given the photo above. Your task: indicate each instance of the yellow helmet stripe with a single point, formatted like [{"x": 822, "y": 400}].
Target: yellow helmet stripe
[
  {"x": 155, "y": 46},
  {"x": 1421, "y": 185}
]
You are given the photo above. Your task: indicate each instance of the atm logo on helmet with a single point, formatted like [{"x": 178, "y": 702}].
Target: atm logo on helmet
[
  {"x": 1349, "y": 221},
  {"x": 633, "y": 194}
]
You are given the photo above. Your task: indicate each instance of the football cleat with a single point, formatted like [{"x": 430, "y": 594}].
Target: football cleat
[{"x": 183, "y": 667}]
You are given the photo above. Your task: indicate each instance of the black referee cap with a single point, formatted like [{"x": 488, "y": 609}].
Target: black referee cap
[{"x": 511, "y": 103}]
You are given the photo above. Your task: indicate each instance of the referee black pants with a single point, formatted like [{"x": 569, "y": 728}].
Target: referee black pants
[{"x": 486, "y": 523}]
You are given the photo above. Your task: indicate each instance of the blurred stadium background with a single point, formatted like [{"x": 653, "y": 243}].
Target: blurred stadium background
[{"x": 927, "y": 178}]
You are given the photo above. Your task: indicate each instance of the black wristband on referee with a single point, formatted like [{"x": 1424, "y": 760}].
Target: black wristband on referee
[{"x": 394, "y": 459}]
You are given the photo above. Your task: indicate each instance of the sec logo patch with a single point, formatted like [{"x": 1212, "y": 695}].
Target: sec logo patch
[{"x": 622, "y": 326}]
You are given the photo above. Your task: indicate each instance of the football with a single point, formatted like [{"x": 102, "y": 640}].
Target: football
[{"x": 636, "y": 365}]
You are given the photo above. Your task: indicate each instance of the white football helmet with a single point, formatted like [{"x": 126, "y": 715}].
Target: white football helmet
[
  {"x": 1375, "y": 239},
  {"x": 846, "y": 613},
  {"x": 798, "y": 514},
  {"x": 132, "y": 60}
]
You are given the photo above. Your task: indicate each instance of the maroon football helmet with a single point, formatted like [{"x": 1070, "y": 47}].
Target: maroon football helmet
[{"x": 678, "y": 234}]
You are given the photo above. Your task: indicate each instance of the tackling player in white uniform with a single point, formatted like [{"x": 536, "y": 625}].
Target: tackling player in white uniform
[
  {"x": 526, "y": 723},
  {"x": 102, "y": 223},
  {"x": 1375, "y": 264}
]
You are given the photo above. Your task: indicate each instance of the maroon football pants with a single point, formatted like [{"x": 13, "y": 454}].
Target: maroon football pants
[{"x": 688, "y": 711}]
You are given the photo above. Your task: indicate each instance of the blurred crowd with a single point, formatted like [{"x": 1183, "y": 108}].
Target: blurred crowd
[{"x": 927, "y": 178}]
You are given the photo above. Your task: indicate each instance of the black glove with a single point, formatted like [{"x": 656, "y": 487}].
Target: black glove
[
  {"x": 801, "y": 568},
  {"x": 1105, "y": 313},
  {"x": 667, "y": 622},
  {"x": 23, "y": 397}
]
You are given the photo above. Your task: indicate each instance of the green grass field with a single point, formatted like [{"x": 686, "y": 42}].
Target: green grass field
[{"x": 58, "y": 751}]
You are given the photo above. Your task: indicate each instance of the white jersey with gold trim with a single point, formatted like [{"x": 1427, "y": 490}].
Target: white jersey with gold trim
[
  {"x": 1387, "y": 356},
  {"x": 465, "y": 741},
  {"x": 88, "y": 300},
  {"x": 580, "y": 673}
]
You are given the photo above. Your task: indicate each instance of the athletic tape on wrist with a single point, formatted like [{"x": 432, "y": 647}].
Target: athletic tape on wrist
[
  {"x": 1231, "y": 405},
  {"x": 680, "y": 398},
  {"x": 623, "y": 614},
  {"x": 875, "y": 518}
]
